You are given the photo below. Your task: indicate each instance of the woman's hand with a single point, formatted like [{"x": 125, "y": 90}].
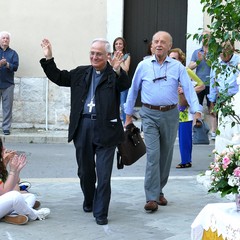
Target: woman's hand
[
  {"x": 17, "y": 163},
  {"x": 180, "y": 90},
  {"x": 22, "y": 159},
  {"x": 116, "y": 60},
  {"x": 7, "y": 156}
]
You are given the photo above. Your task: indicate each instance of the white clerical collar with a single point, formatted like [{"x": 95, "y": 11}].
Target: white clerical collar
[{"x": 98, "y": 72}]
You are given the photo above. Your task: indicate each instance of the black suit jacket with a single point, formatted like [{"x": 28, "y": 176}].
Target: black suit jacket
[{"x": 107, "y": 98}]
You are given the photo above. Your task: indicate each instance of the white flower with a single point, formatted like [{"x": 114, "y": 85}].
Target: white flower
[
  {"x": 214, "y": 151},
  {"x": 232, "y": 181}
]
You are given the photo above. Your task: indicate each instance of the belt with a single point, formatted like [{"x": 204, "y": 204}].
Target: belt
[
  {"x": 160, "y": 108},
  {"x": 91, "y": 116}
]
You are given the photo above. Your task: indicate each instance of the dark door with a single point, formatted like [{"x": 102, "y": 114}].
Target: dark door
[{"x": 142, "y": 18}]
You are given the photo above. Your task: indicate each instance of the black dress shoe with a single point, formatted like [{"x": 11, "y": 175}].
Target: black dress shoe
[
  {"x": 101, "y": 221},
  {"x": 6, "y": 132},
  {"x": 87, "y": 208}
]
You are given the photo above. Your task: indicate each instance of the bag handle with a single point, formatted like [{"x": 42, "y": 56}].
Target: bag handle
[
  {"x": 199, "y": 123},
  {"x": 120, "y": 164}
]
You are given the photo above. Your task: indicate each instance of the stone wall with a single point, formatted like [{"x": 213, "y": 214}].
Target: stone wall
[{"x": 39, "y": 103}]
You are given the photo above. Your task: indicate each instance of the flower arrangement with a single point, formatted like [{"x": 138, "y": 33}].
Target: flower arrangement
[{"x": 225, "y": 171}]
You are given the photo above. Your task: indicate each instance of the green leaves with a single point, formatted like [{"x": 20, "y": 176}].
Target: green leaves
[
  {"x": 224, "y": 27},
  {"x": 225, "y": 24}
]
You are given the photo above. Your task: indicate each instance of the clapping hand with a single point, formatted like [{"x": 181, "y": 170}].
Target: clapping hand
[
  {"x": 3, "y": 62},
  {"x": 200, "y": 56},
  {"x": 7, "y": 156},
  {"x": 17, "y": 163}
]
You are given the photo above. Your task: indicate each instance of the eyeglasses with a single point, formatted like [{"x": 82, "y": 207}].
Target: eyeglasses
[
  {"x": 96, "y": 54},
  {"x": 160, "y": 78}
]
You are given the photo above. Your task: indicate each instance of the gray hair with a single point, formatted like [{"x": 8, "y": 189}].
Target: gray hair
[
  {"x": 102, "y": 40},
  {"x": 3, "y": 33}
]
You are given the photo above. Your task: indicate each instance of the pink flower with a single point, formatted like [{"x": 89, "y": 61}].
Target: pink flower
[
  {"x": 224, "y": 166},
  {"x": 222, "y": 172},
  {"x": 211, "y": 166},
  {"x": 230, "y": 154},
  {"x": 216, "y": 169},
  {"x": 226, "y": 161},
  {"x": 236, "y": 172}
]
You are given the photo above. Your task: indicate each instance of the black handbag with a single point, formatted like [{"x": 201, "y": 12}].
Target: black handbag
[
  {"x": 200, "y": 132},
  {"x": 132, "y": 148}
]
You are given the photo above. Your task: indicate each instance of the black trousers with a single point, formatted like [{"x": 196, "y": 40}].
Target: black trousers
[
  {"x": 95, "y": 164},
  {"x": 203, "y": 94}
]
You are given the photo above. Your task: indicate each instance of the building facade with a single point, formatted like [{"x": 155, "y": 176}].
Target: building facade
[{"x": 70, "y": 26}]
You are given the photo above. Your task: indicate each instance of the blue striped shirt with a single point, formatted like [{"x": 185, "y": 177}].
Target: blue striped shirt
[
  {"x": 158, "y": 84},
  {"x": 226, "y": 80}
]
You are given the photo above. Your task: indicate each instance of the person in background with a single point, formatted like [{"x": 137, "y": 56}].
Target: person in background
[
  {"x": 158, "y": 79},
  {"x": 185, "y": 117},
  {"x": 15, "y": 207},
  {"x": 95, "y": 124},
  {"x": 22, "y": 186},
  {"x": 149, "y": 51},
  {"x": 119, "y": 44},
  {"x": 9, "y": 62},
  {"x": 199, "y": 63},
  {"x": 226, "y": 80}
]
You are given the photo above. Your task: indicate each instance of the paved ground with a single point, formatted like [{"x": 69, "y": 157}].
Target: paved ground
[{"x": 52, "y": 172}]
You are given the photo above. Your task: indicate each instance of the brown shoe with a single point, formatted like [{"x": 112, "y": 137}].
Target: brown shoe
[
  {"x": 162, "y": 201},
  {"x": 151, "y": 206},
  {"x": 36, "y": 205},
  {"x": 16, "y": 219}
]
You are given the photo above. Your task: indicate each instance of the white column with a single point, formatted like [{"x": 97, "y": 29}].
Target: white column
[{"x": 114, "y": 19}]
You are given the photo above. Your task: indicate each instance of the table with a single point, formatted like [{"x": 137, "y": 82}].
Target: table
[{"x": 217, "y": 221}]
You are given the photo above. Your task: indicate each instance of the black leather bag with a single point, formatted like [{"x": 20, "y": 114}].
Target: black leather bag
[
  {"x": 132, "y": 148},
  {"x": 200, "y": 132}
]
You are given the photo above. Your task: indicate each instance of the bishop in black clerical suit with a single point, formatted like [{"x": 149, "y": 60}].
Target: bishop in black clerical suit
[{"x": 95, "y": 125}]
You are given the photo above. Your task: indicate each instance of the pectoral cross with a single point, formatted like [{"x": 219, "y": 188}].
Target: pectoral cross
[{"x": 91, "y": 105}]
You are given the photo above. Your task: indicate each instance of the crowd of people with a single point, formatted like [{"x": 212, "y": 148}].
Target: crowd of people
[{"x": 103, "y": 98}]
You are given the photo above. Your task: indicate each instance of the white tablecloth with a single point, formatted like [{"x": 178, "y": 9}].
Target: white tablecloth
[{"x": 222, "y": 217}]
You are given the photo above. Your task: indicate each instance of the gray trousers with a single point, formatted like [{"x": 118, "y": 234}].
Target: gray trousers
[
  {"x": 160, "y": 131},
  {"x": 6, "y": 96}
]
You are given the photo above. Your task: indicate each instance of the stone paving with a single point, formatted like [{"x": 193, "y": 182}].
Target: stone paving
[{"x": 127, "y": 218}]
